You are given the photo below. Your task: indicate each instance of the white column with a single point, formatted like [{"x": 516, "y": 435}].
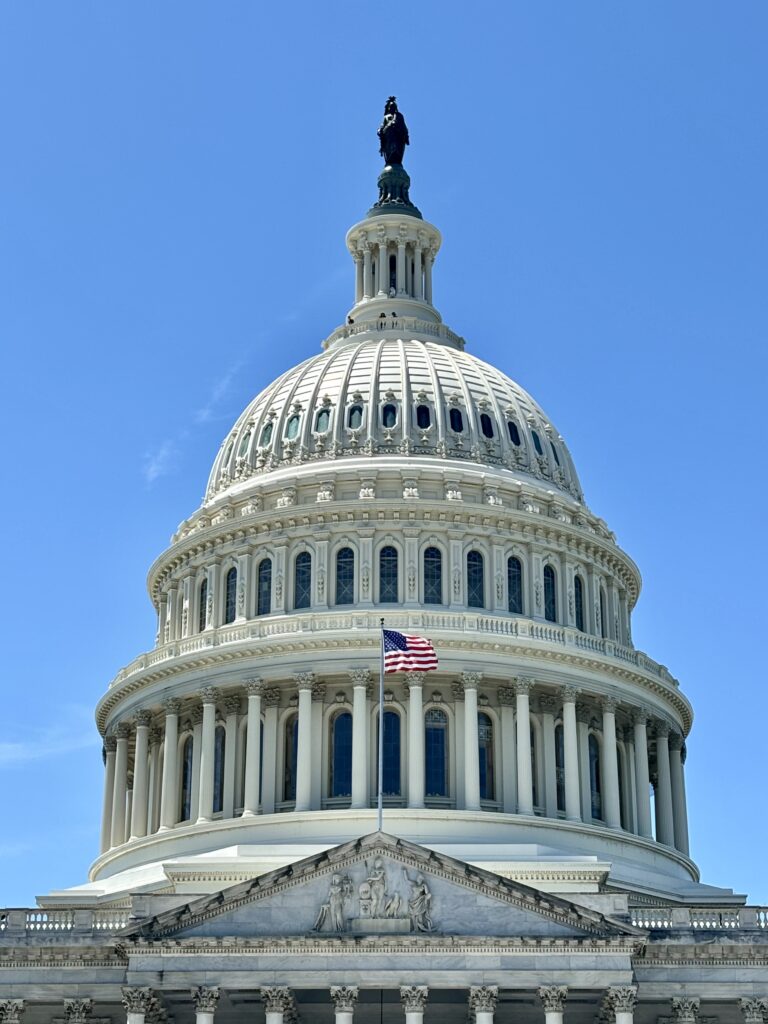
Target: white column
[
  {"x": 277, "y": 1003},
  {"x": 119, "y": 793},
  {"x": 344, "y": 998},
  {"x": 172, "y": 615},
  {"x": 553, "y": 998},
  {"x": 508, "y": 749},
  {"x": 232, "y": 709},
  {"x": 665, "y": 827},
  {"x": 430, "y": 259},
  {"x": 110, "y": 747},
  {"x": 414, "y": 1000},
  {"x": 168, "y": 799},
  {"x": 610, "y": 766},
  {"x": 137, "y": 1002},
  {"x": 367, "y": 271},
  {"x": 383, "y": 265},
  {"x": 141, "y": 776},
  {"x": 209, "y": 696},
  {"x": 677, "y": 778},
  {"x": 482, "y": 1002},
  {"x": 360, "y": 681},
  {"x": 153, "y": 808},
  {"x": 359, "y": 287},
  {"x": 642, "y": 774},
  {"x": 547, "y": 706},
  {"x": 471, "y": 742},
  {"x": 305, "y": 682},
  {"x": 622, "y": 1000},
  {"x": 582, "y": 727},
  {"x": 459, "y": 719},
  {"x": 196, "y": 717},
  {"x": 523, "y": 688},
  {"x": 254, "y": 689},
  {"x": 414, "y": 681},
  {"x": 205, "y": 1000},
  {"x": 271, "y": 700},
  {"x": 571, "y": 755},
  {"x": 418, "y": 279},
  {"x": 401, "y": 266}
]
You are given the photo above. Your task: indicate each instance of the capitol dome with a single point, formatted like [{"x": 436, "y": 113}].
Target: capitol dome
[{"x": 394, "y": 477}]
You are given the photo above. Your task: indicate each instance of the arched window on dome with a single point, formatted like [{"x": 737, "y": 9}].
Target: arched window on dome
[
  {"x": 185, "y": 790},
  {"x": 345, "y": 576},
  {"x": 485, "y": 742},
  {"x": 550, "y": 594},
  {"x": 603, "y": 615},
  {"x": 230, "y": 596},
  {"x": 322, "y": 421},
  {"x": 292, "y": 427},
  {"x": 456, "y": 420},
  {"x": 266, "y": 434},
  {"x": 243, "y": 448},
  {"x": 537, "y": 443},
  {"x": 341, "y": 755},
  {"x": 515, "y": 586},
  {"x": 264, "y": 587},
  {"x": 554, "y": 452},
  {"x": 578, "y": 601},
  {"x": 560, "y": 766},
  {"x": 595, "y": 781},
  {"x": 302, "y": 580},
  {"x": 436, "y": 752},
  {"x": 355, "y": 417},
  {"x": 388, "y": 591},
  {"x": 423, "y": 417},
  {"x": 389, "y": 416},
  {"x": 433, "y": 576},
  {"x": 486, "y": 424},
  {"x": 514, "y": 433},
  {"x": 392, "y": 785},
  {"x": 202, "y": 605},
  {"x": 218, "y": 769},
  {"x": 475, "y": 580},
  {"x": 290, "y": 757}
]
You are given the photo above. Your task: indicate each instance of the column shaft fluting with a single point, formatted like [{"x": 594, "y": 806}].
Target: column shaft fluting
[
  {"x": 415, "y": 744},
  {"x": 168, "y": 799},
  {"x": 120, "y": 789},
  {"x": 304, "y": 754},
  {"x": 360, "y": 745},
  {"x": 679, "y": 808},
  {"x": 471, "y": 748},
  {"x": 524, "y": 768},
  {"x": 642, "y": 777},
  {"x": 252, "y": 751},
  {"x": 140, "y": 777},
  {"x": 207, "y": 755},
  {"x": 610, "y": 768},
  {"x": 110, "y": 747},
  {"x": 665, "y": 827},
  {"x": 571, "y": 757}
]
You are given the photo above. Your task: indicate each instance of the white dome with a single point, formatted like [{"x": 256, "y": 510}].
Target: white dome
[{"x": 395, "y": 395}]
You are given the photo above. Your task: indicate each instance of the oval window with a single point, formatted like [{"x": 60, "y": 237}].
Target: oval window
[
  {"x": 292, "y": 428},
  {"x": 537, "y": 443},
  {"x": 514, "y": 433},
  {"x": 244, "y": 443},
  {"x": 423, "y": 417},
  {"x": 457, "y": 421},
  {"x": 389, "y": 416},
  {"x": 323, "y": 421},
  {"x": 355, "y": 417},
  {"x": 266, "y": 434},
  {"x": 554, "y": 452},
  {"x": 486, "y": 425}
]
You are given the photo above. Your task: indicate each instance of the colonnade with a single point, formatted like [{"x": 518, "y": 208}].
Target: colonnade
[
  {"x": 554, "y": 754},
  {"x": 617, "y": 1003}
]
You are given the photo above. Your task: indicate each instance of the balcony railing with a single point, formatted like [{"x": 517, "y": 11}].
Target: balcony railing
[
  {"x": 700, "y": 918},
  {"x": 297, "y": 623},
  {"x": 19, "y": 922}
]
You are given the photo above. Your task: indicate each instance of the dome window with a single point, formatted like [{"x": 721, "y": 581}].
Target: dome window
[
  {"x": 554, "y": 452},
  {"x": 323, "y": 421},
  {"x": 230, "y": 446},
  {"x": 486, "y": 424},
  {"x": 241, "y": 451},
  {"x": 355, "y": 417},
  {"x": 423, "y": 417},
  {"x": 266, "y": 434},
  {"x": 537, "y": 443},
  {"x": 292, "y": 429},
  {"x": 389, "y": 416},
  {"x": 457, "y": 421},
  {"x": 514, "y": 433}
]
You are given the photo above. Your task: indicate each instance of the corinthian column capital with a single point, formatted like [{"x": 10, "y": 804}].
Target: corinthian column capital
[
  {"x": 277, "y": 999},
  {"x": 77, "y": 1011},
  {"x": 414, "y": 998},
  {"x": 553, "y": 997},
  {"x": 344, "y": 997},
  {"x": 205, "y": 999},
  {"x": 483, "y": 998},
  {"x": 685, "y": 1009},
  {"x": 11, "y": 1010},
  {"x": 622, "y": 998},
  {"x": 754, "y": 1009},
  {"x": 136, "y": 1000}
]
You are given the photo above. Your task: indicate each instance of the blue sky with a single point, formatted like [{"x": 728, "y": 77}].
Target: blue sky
[{"x": 175, "y": 186}]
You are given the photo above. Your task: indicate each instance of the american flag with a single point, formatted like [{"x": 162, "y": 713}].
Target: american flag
[{"x": 404, "y": 653}]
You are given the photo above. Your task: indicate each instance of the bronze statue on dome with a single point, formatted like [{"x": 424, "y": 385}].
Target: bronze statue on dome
[{"x": 393, "y": 134}]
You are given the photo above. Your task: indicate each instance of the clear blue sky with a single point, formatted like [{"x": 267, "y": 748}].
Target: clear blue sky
[{"x": 175, "y": 186}]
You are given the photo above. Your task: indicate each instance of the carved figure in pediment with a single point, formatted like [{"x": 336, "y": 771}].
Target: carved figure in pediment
[
  {"x": 331, "y": 914},
  {"x": 377, "y": 883},
  {"x": 419, "y": 903}
]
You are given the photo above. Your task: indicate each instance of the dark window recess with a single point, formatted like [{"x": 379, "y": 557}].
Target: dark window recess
[
  {"x": 433, "y": 576},
  {"x": 457, "y": 421},
  {"x": 345, "y": 576},
  {"x": 266, "y": 434},
  {"x": 486, "y": 424},
  {"x": 515, "y": 586},
  {"x": 264, "y": 587},
  {"x": 302, "y": 580},
  {"x": 341, "y": 755},
  {"x": 389, "y": 416},
  {"x": 323, "y": 421},
  {"x": 537, "y": 443},
  {"x": 423, "y": 418},
  {"x": 554, "y": 452},
  {"x": 550, "y": 594},
  {"x": 578, "y": 602},
  {"x": 514, "y": 433},
  {"x": 292, "y": 429},
  {"x": 388, "y": 575},
  {"x": 475, "y": 580},
  {"x": 230, "y": 596},
  {"x": 355, "y": 417}
]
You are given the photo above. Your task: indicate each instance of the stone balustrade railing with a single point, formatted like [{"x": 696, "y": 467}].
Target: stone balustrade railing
[
  {"x": 700, "y": 918},
  {"x": 15, "y": 923},
  {"x": 399, "y": 323},
  {"x": 344, "y": 622}
]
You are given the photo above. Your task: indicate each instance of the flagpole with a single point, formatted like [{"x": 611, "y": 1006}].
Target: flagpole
[{"x": 380, "y": 795}]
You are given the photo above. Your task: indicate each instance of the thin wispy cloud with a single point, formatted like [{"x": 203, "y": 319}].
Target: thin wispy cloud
[
  {"x": 218, "y": 392},
  {"x": 160, "y": 461},
  {"x": 74, "y": 730}
]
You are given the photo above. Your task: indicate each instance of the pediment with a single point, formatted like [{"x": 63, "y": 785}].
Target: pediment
[{"x": 379, "y": 886}]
